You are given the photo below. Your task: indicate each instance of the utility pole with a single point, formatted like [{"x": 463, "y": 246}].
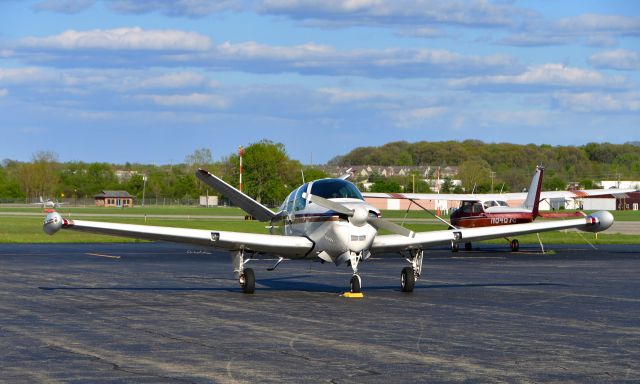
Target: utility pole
[
  {"x": 144, "y": 187},
  {"x": 240, "y": 153}
]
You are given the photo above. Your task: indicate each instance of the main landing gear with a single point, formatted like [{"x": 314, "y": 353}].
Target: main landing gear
[
  {"x": 410, "y": 274},
  {"x": 245, "y": 276},
  {"x": 515, "y": 245}
]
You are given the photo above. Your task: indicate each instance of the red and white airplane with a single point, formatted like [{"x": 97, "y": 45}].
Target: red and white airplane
[
  {"x": 325, "y": 219},
  {"x": 486, "y": 210}
]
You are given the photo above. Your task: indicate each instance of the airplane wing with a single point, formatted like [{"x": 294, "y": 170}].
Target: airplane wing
[
  {"x": 290, "y": 246},
  {"x": 499, "y": 196},
  {"x": 422, "y": 196},
  {"x": 238, "y": 198},
  {"x": 596, "y": 222}
]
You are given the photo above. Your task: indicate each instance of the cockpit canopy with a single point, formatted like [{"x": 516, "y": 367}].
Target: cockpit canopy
[
  {"x": 335, "y": 188},
  {"x": 327, "y": 188}
]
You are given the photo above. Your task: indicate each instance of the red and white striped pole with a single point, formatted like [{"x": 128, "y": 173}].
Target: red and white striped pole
[{"x": 240, "y": 153}]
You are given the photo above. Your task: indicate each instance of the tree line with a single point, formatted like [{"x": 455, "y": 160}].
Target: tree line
[
  {"x": 508, "y": 166},
  {"x": 270, "y": 174}
]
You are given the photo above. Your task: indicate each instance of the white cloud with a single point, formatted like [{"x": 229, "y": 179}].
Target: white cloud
[
  {"x": 397, "y": 12},
  {"x": 423, "y": 32},
  {"x": 589, "y": 102},
  {"x": 190, "y": 100},
  {"x": 621, "y": 59},
  {"x": 25, "y": 75},
  {"x": 543, "y": 77},
  {"x": 135, "y": 48},
  {"x": 121, "y": 39},
  {"x": 172, "y": 80},
  {"x": 188, "y": 8},
  {"x": 343, "y": 96},
  {"x": 617, "y": 24},
  {"x": 254, "y": 50},
  {"x": 317, "y": 59},
  {"x": 4, "y": 92},
  {"x": 533, "y": 40},
  {"x": 590, "y": 29}
]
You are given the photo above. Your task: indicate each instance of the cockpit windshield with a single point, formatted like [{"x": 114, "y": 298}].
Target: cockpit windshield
[{"x": 335, "y": 188}]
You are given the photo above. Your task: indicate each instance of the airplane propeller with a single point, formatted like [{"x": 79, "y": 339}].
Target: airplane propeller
[{"x": 360, "y": 215}]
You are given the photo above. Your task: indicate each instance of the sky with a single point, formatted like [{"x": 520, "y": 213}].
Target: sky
[{"x": 150, "y": 81}]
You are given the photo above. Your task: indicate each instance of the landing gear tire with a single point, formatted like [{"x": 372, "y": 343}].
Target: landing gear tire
[
  {"x": 355, "y": 284},
  {"x": 515, "y": 245},
  {"x": 455, "y": 247},
  {"x": 468, "y": 246},
  {"x": 248, "y": 281},
  {"x": 407, "y": 279}
]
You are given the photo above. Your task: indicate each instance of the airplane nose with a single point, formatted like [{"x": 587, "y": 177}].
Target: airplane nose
[{"x": 360, "y": 214}]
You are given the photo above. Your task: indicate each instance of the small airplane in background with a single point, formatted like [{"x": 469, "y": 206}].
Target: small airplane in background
[
  {"x": 486, "y": 210},
  {"x": 44, "y": 204},
  {"x": 325, "y": 220}
]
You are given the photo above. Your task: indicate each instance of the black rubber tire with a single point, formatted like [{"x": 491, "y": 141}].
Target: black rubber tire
[
  {"x": 407, "y": 279},
  {"x": 515, "y": 245},
  {"x": 248, "y": 281},
  {"x": 468, "y": 246},
  {"x": 455, "y": 247},
  {"x": 355, "y": 284}
]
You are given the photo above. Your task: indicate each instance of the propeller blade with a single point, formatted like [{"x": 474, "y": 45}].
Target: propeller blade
[
  {"x": 389, "y": 226},
  {"x": 332, "y": 205}
]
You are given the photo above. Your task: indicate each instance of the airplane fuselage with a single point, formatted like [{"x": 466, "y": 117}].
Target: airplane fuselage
[{"x": 335, "y": 236}]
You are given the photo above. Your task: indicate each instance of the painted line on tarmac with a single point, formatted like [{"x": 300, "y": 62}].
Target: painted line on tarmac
[{"x": 101, "y": 255}]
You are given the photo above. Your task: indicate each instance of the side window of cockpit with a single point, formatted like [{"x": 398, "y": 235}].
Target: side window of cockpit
[
  {"x": 301, "y": 202},
  {"x": 290, "y": 201},
  {"x": 477, "y": 208}
]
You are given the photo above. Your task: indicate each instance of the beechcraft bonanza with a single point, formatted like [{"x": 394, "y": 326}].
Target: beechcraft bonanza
[{"x": 326, "y": 219}]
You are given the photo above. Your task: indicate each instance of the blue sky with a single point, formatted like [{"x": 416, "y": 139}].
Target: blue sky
[{"x": 150, "y": 81}]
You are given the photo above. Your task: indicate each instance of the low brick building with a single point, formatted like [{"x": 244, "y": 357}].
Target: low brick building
[{"x": 114, "y": 199}]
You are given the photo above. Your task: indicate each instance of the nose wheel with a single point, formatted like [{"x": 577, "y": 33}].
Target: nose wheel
[{"x": 355, "y": 284}]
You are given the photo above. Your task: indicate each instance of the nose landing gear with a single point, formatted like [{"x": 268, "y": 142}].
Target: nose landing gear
[{"x": 355, "y": 284}]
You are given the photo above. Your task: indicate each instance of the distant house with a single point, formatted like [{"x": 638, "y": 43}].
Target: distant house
[{"x": 114, "y": 199}]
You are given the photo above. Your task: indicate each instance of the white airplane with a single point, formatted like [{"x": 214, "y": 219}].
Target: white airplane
[
  {"x": 326, "y": 219},
  {"x": 48, "y": 203}
]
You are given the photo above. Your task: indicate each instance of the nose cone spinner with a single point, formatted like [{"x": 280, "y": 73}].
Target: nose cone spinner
[{"x": 52, "y": 223}]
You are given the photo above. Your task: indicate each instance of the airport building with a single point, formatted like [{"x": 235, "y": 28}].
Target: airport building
[{"x": 114, "y": 199}]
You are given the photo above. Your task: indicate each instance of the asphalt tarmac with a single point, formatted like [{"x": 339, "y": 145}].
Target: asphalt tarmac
[{"x": 161, "y": 313}]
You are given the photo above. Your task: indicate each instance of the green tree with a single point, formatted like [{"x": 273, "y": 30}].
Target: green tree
[
  {"x": 384, "y": 185},
  {"x": 473, "y": 173},
  {"x": 9, "y": 188},
  {"x": 554, "y": 183},
  {"x": 40, "y": 177},
  {"x": 268, "y": 172}
]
